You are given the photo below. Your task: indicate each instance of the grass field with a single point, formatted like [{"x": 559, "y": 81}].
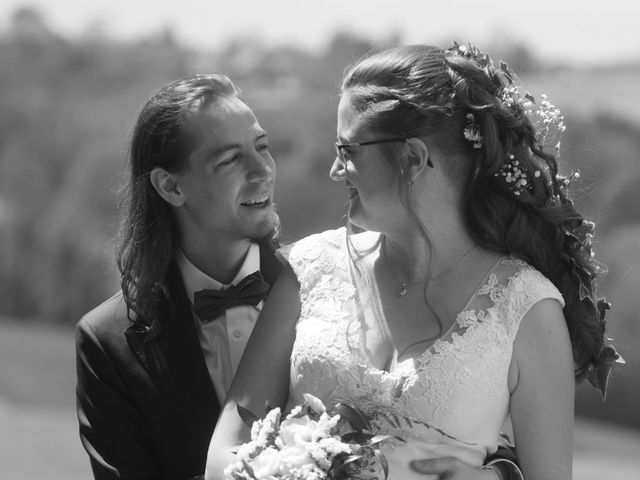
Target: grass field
[
  {"x": 39, "y": 439},
  {"x": 38, "y": 432}
]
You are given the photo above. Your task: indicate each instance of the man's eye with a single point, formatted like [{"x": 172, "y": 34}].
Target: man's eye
[{"x": 228, "y": 161}]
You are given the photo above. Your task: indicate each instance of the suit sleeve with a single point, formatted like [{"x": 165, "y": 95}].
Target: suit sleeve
[{"x": 112, "y": 429}]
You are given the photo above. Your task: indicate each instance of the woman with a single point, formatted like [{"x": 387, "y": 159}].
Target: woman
[{"x": 474, "y": 302}]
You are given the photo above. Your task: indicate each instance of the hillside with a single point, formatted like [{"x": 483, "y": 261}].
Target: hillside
[{"x": 67, "y": 112}]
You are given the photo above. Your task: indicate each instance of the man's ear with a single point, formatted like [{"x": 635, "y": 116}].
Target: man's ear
[
  {"x": 167, "y": 187},
  {"x": 418, "y": 158}
]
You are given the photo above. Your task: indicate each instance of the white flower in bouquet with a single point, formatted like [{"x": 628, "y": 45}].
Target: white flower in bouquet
[
  {"x": 309, "y": 444},
  {"x": 263, "y": 433}
]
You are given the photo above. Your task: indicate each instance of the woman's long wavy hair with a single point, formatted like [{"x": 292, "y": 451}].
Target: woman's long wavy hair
[
  {"x": 149, "y": 232},
  {"x": 419, "y": 90}
]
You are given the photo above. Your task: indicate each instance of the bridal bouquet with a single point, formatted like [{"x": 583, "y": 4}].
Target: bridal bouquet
[{"x": 310, "y": 443}]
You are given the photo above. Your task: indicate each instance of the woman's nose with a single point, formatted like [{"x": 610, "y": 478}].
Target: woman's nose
[{"x": 337, "y": 170}]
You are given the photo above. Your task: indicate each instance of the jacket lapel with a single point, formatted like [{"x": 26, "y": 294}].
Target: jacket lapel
[
  {"x": 173, "y": 359},
  {"x": 170, "y": 351}
]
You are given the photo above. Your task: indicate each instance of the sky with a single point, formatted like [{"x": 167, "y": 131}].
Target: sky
[{"x": 587, "y": 32}]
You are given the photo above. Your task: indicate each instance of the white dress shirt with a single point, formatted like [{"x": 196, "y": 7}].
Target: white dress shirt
[{"x": 223, "y": 339}]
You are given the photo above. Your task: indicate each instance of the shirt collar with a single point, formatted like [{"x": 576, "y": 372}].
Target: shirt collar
[{"x": 195, "y": 279}]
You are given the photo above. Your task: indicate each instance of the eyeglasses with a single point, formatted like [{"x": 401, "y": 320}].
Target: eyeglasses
[{"x": 342, "y": 148}]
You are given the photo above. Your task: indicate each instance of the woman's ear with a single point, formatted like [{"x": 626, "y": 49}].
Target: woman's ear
[
  {"x": 167, "y": 187},
  {"x": 418, "y": 158}
]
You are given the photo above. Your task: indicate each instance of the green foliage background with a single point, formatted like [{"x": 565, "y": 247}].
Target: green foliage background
[{"x": 67, "y": 109}]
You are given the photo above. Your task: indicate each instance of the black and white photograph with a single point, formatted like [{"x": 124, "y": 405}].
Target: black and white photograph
[{"x": 328, "y": 240}]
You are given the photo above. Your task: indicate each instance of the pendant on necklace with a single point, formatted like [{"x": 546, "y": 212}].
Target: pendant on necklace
[{"x": 402, "y": 290}]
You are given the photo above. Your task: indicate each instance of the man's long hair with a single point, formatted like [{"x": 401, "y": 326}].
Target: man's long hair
[{"x": 149, "y": 231}]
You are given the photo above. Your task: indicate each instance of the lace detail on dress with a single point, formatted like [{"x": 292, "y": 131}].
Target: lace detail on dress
[
  {"x": 315, "y": 256},
  {"x": 325, "y": 336},
  {"x": 522, "y": 290},
  {"x": 447, "y": 372},
  {"x": 458, "y": 385},
  {"x": 473, "y": 361}
]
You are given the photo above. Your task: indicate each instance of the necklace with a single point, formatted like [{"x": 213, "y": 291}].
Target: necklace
[
  {"x": 455, "y": 264},
  {"x": 401, "y": 290}
]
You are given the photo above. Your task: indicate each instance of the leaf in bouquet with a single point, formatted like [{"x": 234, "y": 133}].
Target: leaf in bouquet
[
  {"x": 314, "y": 403},
  {"x": 340, "y": 469},
  {"x": 267, "y": 407},
  {"x": 505, "y": 68},
  {"x": 381, "y": 438},
  {"x": 354, "y": 416},
  {"x": 385, "y": 465},
  {"x": 241, "y": 475},
  {"x": 248, "y": 469},
  {"x": 358, "y": 437},
  {"x": 351, "y": 459},
  {"x": 335, "y": 472},
  {"x": 247, "y": 416},
  {"x": 397, "y": 419}
]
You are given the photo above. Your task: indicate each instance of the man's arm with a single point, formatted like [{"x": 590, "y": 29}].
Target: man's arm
[{"x": 112, "y": 430}]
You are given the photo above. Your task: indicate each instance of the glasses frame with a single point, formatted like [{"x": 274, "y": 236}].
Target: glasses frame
[{"x": 341, "y": 146}]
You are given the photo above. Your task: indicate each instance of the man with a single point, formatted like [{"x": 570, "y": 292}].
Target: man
[
  {"x": 152, "y": 372},
  {"x": 154, "y": 362}
]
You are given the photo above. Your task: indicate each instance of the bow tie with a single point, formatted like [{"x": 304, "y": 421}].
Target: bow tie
[{"x": 210, "y": 304}]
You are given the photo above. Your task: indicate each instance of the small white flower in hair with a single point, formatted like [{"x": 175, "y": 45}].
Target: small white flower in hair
[
  {"x": 514, "y": 175},
  {"x": 472, "y": 132}
]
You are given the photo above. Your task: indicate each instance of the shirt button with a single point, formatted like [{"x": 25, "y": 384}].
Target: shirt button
[{"x": 236, "y": 333}]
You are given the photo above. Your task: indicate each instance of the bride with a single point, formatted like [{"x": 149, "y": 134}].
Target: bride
[{"x": 462, "y": 291}]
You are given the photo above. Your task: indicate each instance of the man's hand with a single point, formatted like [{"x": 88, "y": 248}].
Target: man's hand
[{"x": 451, "y": 468}]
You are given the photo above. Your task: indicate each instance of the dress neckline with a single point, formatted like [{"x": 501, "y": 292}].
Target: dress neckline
[{"x": 437, "y": 341}]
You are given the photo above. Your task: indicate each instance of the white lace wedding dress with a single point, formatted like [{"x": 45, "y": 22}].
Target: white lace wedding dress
[{"x": 451, "y": 400}]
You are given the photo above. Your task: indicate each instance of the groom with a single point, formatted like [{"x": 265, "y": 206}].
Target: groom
[{"x": 154, "y": 362}]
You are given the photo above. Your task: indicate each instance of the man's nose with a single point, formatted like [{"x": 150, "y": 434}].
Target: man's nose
[{"x": 262, "y": 169}]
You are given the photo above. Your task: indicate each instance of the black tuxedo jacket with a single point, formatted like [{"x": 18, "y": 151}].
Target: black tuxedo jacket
[{"x": 146, "y": 404}]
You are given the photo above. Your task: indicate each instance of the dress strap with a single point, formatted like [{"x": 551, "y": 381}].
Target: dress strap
[{"x": 516, "y": 288}]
